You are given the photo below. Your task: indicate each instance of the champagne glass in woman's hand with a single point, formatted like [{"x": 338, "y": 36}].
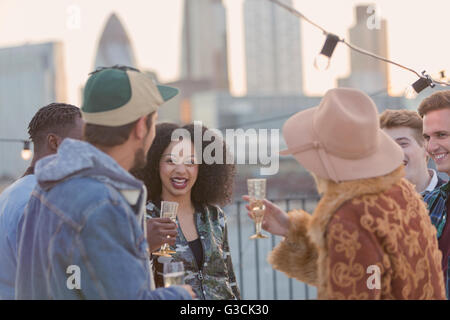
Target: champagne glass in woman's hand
[
  {"x": 257, "y": 193},
  {"x": 275, "y": 221},
  {"x": 160, "y": 231},
  {"x": 168, "y": 210}
]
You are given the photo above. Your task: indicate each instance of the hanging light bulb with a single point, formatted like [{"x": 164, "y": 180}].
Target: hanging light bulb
[
  {"x": 410, "y": 93},
  {"x": 413, "y": 90},
  {"x": 322, "y": 60},
  {"x": 26, "y": 152}
]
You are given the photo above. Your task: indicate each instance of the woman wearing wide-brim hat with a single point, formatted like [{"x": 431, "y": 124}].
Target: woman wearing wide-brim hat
[{"x": 370, "y": 236}]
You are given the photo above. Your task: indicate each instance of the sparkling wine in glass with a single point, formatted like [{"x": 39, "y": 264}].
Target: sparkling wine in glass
[
  {"x": 168, "y": 210},
  {"x": 173, "y": 274},
  {"x": 257, "y": 193}
]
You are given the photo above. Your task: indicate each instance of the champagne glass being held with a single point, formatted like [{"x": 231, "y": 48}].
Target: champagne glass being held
[
  {"x": 276, "y": 221},
  {"x": 173, "y": 274},
  {"x": 168, "y": 210},
  {"x": 257, "y": 193}
]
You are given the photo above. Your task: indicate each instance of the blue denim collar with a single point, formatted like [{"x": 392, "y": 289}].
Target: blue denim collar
[{"x": 77, "y": 158}]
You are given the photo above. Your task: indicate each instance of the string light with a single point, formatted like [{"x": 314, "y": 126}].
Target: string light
[
  {"x": 443, "y": 75},
  {"x": 413, "y": 90},
  {"x": 322, "y": 60},
  {"x": 424, "y": 79},
  {"x": 26, "y": 152}
]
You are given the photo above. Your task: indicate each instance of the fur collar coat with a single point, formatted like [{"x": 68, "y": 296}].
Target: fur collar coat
[{"x": 367, "y": 239}]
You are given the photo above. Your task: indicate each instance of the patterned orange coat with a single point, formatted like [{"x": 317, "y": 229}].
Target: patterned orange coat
[{"x": 367, "y": 239}]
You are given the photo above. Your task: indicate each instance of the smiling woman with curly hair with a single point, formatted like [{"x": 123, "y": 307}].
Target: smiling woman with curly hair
[{"x": 200, "y": 189}]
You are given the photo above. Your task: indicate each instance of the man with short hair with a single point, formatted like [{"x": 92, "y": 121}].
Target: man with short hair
[
  {"x": 48, "y": 128},
  {"x": 435, "y": 112},
  {"x": 405, "y": 128},
  {"x": 84, "y": 231}
]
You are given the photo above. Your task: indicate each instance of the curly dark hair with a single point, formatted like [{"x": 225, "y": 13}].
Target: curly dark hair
[
  {"x": 55, "y": 117},
  {"x": 214, "y": 184}
]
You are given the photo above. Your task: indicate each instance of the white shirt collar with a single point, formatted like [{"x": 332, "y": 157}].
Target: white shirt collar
[
  {"x": 433, "y": 182},
  {"x": 132, "y": 196}
]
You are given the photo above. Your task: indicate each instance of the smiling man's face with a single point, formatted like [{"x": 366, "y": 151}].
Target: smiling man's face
[
  {"x": 415, "y": 155},
  {"x": 436, "y": 131}
]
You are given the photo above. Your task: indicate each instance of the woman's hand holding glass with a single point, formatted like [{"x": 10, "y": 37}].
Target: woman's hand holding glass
[
  {"x": 168, "y": 210},
  {"x": 276, "y": 221},
  {"x": 161, "y": 231}
]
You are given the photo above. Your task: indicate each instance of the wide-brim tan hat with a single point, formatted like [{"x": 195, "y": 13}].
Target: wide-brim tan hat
[{"x": 340, "y": 139}]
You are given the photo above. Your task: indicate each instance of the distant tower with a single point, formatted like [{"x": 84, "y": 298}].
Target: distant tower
[
  {"x": 367, "y": 74},
  {"x": 114, "y": 46},
  {"x": 273, "y": 50},
  {"x": 204, "y": 44}
]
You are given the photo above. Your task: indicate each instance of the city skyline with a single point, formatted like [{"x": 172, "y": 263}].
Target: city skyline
[
  {"x": 204, "y": 44},
  {"x": 272, "y": 49},
  {"x": 409, "y": 43}
]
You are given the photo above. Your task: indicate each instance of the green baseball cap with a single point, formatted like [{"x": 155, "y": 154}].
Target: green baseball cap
[{"x": 118, "y": 96}]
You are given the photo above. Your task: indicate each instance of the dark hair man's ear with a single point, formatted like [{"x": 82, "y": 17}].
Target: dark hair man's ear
[{"x": 53, "y": 142}]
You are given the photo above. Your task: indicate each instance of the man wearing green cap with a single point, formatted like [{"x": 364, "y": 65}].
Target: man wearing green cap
[{"x": 83, "y": 234}]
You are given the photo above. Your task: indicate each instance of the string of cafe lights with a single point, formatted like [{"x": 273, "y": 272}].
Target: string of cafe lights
[
  {"x": 26, "y": 152},
  {"x": 322, "y": 60}
]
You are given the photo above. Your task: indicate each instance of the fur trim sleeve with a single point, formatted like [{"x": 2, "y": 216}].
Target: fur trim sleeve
[{"x": 296, "y": 256}]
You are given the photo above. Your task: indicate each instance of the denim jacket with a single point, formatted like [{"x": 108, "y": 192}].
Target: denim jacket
[
  {"x": 82, "y": 235},
  {"x": 215, "y": 279}
]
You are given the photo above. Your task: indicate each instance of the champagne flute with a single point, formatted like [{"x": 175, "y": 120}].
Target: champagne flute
[
  {"x": 257, "y": 193},
  {"x": 173, "y": 274},
  {"x": 168, "y": 210}
]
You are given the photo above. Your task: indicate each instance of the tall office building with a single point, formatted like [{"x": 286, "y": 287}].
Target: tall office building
[
  {"x": 204, "y": 44},
  {"x": 114, "y": 46},
  {"x": 31, "y": 76},
  {"x": 204, "y": 62},
  {"x": 368, "y": 74},
  {"x": 273, "y": 50}
]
